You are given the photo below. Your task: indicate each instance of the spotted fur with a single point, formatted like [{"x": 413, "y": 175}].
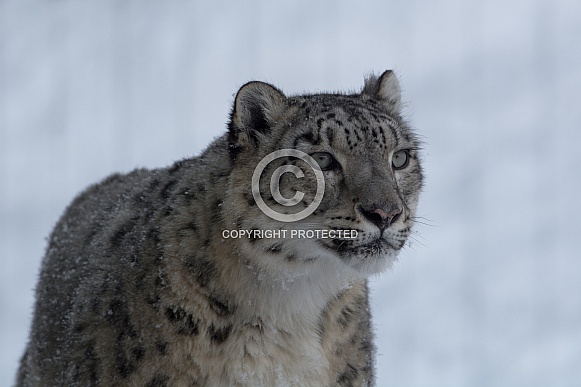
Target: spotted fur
[{"x": 139, "y": 286}]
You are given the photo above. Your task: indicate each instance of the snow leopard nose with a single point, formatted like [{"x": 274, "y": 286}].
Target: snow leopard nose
[{"x": 381, "y": 218}]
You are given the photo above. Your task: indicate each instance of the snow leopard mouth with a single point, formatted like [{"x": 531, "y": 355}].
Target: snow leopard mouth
[{"x": 349, "y": 249}]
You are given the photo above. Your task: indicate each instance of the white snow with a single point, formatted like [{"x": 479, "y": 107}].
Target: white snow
[{"x": 488, "y": 294}]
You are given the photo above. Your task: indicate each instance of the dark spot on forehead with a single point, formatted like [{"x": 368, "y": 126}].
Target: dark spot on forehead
[
  {"x": 309, "y": 137},
  {"x": 330, "y": 137}
]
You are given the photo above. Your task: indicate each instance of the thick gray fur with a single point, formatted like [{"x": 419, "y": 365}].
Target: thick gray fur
[{"x": 139, "y": 285}]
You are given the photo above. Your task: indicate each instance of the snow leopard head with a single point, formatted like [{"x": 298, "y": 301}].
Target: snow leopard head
[{"x": 366, "y": 155}]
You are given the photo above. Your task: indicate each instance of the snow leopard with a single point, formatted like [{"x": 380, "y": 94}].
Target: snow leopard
[{"x": 177, "y": 277}]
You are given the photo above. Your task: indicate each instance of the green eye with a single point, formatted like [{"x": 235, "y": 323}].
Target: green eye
[
  {"x": 400, "y": 159},
  {"x": 325, "y": 160}
]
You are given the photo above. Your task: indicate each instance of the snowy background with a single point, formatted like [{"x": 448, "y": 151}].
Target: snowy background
[{"x": 489, "y": 292}]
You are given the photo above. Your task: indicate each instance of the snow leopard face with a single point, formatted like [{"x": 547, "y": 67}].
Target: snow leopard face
[{"x": 366, "y": 154}]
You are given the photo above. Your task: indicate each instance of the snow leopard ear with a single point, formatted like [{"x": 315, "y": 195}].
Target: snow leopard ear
[
  {"x": 256, "y": 108},
  {"x": 386, "y": 89}
]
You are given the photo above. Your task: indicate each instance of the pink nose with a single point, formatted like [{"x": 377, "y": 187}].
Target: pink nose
[
  {"x": 379, "y": 217},
  {"x": 385, "y": 217}
]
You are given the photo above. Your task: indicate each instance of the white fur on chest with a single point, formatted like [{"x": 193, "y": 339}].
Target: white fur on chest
[
  {"x": 278, "y": 341},
  {"x": 276, "y": 358}
]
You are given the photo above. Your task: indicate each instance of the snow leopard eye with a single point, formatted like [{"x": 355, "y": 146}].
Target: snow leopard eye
[
  {"x": 325, "y": 160},
  {"x": 400, "y": 159}
]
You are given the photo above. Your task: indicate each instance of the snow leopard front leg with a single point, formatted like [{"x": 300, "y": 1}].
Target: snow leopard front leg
[{"x": 347, "y": 337}]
